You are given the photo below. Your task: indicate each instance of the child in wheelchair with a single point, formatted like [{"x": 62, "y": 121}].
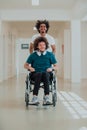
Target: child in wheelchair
[{"x": 41, "y": 63}]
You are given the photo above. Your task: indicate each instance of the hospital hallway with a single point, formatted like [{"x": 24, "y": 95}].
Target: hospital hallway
[{"x": 70, "y": 112}]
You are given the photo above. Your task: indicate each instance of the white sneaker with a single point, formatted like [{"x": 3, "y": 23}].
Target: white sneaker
[
  {"x": 35, "y": 99},
  {"x": 46, "y": 100}
]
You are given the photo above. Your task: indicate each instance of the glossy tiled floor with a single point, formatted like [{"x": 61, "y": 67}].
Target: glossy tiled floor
[{"x": 70, "y": 112}]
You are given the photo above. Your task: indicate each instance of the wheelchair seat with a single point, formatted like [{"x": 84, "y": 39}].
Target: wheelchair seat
[{"x": 32, "y": 81}]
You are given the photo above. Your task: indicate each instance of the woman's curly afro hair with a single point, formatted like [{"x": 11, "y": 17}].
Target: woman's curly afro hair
[{"x": 39, "y": 22}]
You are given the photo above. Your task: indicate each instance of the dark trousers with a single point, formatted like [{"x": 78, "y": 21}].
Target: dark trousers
[{"x": 39, "y": 77}]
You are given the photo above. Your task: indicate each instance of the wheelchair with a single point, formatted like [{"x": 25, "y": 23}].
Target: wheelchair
[{"x": 29, "y": 88}]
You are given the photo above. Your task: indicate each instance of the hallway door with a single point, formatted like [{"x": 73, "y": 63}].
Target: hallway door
[{"x": 22, "y": 52}]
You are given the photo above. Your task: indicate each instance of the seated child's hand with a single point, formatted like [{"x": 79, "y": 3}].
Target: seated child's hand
[
  {"x": 49, "y": 69},
  {"x": 31, "y": 69}
]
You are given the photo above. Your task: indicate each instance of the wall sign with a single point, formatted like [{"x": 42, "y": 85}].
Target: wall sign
[{"x": 24, "y": 46}]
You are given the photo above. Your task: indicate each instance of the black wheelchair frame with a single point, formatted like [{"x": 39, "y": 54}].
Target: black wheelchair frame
[{"x": 29, "y": 89}]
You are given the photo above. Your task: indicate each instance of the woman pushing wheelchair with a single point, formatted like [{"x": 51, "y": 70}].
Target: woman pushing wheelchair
[{"x": 41, "y": 63}]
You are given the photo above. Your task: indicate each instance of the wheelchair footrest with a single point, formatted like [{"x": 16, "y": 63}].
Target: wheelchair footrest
[
  {"x": 36, "y": 104},
  {"x": 49, "y": 103}
]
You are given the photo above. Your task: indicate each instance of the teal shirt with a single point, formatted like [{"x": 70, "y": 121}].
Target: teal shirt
[{"x": 42, "y": 62}]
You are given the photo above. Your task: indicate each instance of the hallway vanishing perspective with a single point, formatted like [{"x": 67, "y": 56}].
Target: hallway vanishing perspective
[{"x": 70, "y": 112}]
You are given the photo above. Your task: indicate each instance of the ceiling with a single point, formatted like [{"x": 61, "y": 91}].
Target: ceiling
[
  {"x": 77, "y": 8},
  {"x": 44, "y": 4}
]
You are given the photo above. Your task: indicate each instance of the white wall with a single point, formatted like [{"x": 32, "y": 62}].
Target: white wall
[
  {"x": 60, "y": 54},
  {"x": 8, "y": 51},
  {"x": 84, "y": 50},
  {"x": 76, "y": 51},
  {"x": 1, "y": 51},
  {"x": 67, "y": 54}
]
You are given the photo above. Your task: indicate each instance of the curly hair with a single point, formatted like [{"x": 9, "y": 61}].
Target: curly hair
[
  {"x": 38, "y": 40},
  {"x": 39, "y": 22}
]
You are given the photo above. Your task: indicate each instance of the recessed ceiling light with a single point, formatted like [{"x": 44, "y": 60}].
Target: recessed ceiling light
[{"x": 35, "y": 2}]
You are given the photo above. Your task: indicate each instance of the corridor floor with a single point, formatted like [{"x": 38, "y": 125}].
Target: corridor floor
[{"x": 70, "y": 112}]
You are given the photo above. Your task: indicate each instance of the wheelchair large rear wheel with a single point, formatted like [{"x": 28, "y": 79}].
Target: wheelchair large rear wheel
[
  {"x": 54, "y": 99},
  {"x": 26, "y": 91},
  {"x": 26, "y": 99}
]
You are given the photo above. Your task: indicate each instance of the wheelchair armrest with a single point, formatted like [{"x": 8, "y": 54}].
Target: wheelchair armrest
[
  {"x": 53, "y": 69},
  {"x": 54, "y": 73},
  {"x": 28, "y": 71}
]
